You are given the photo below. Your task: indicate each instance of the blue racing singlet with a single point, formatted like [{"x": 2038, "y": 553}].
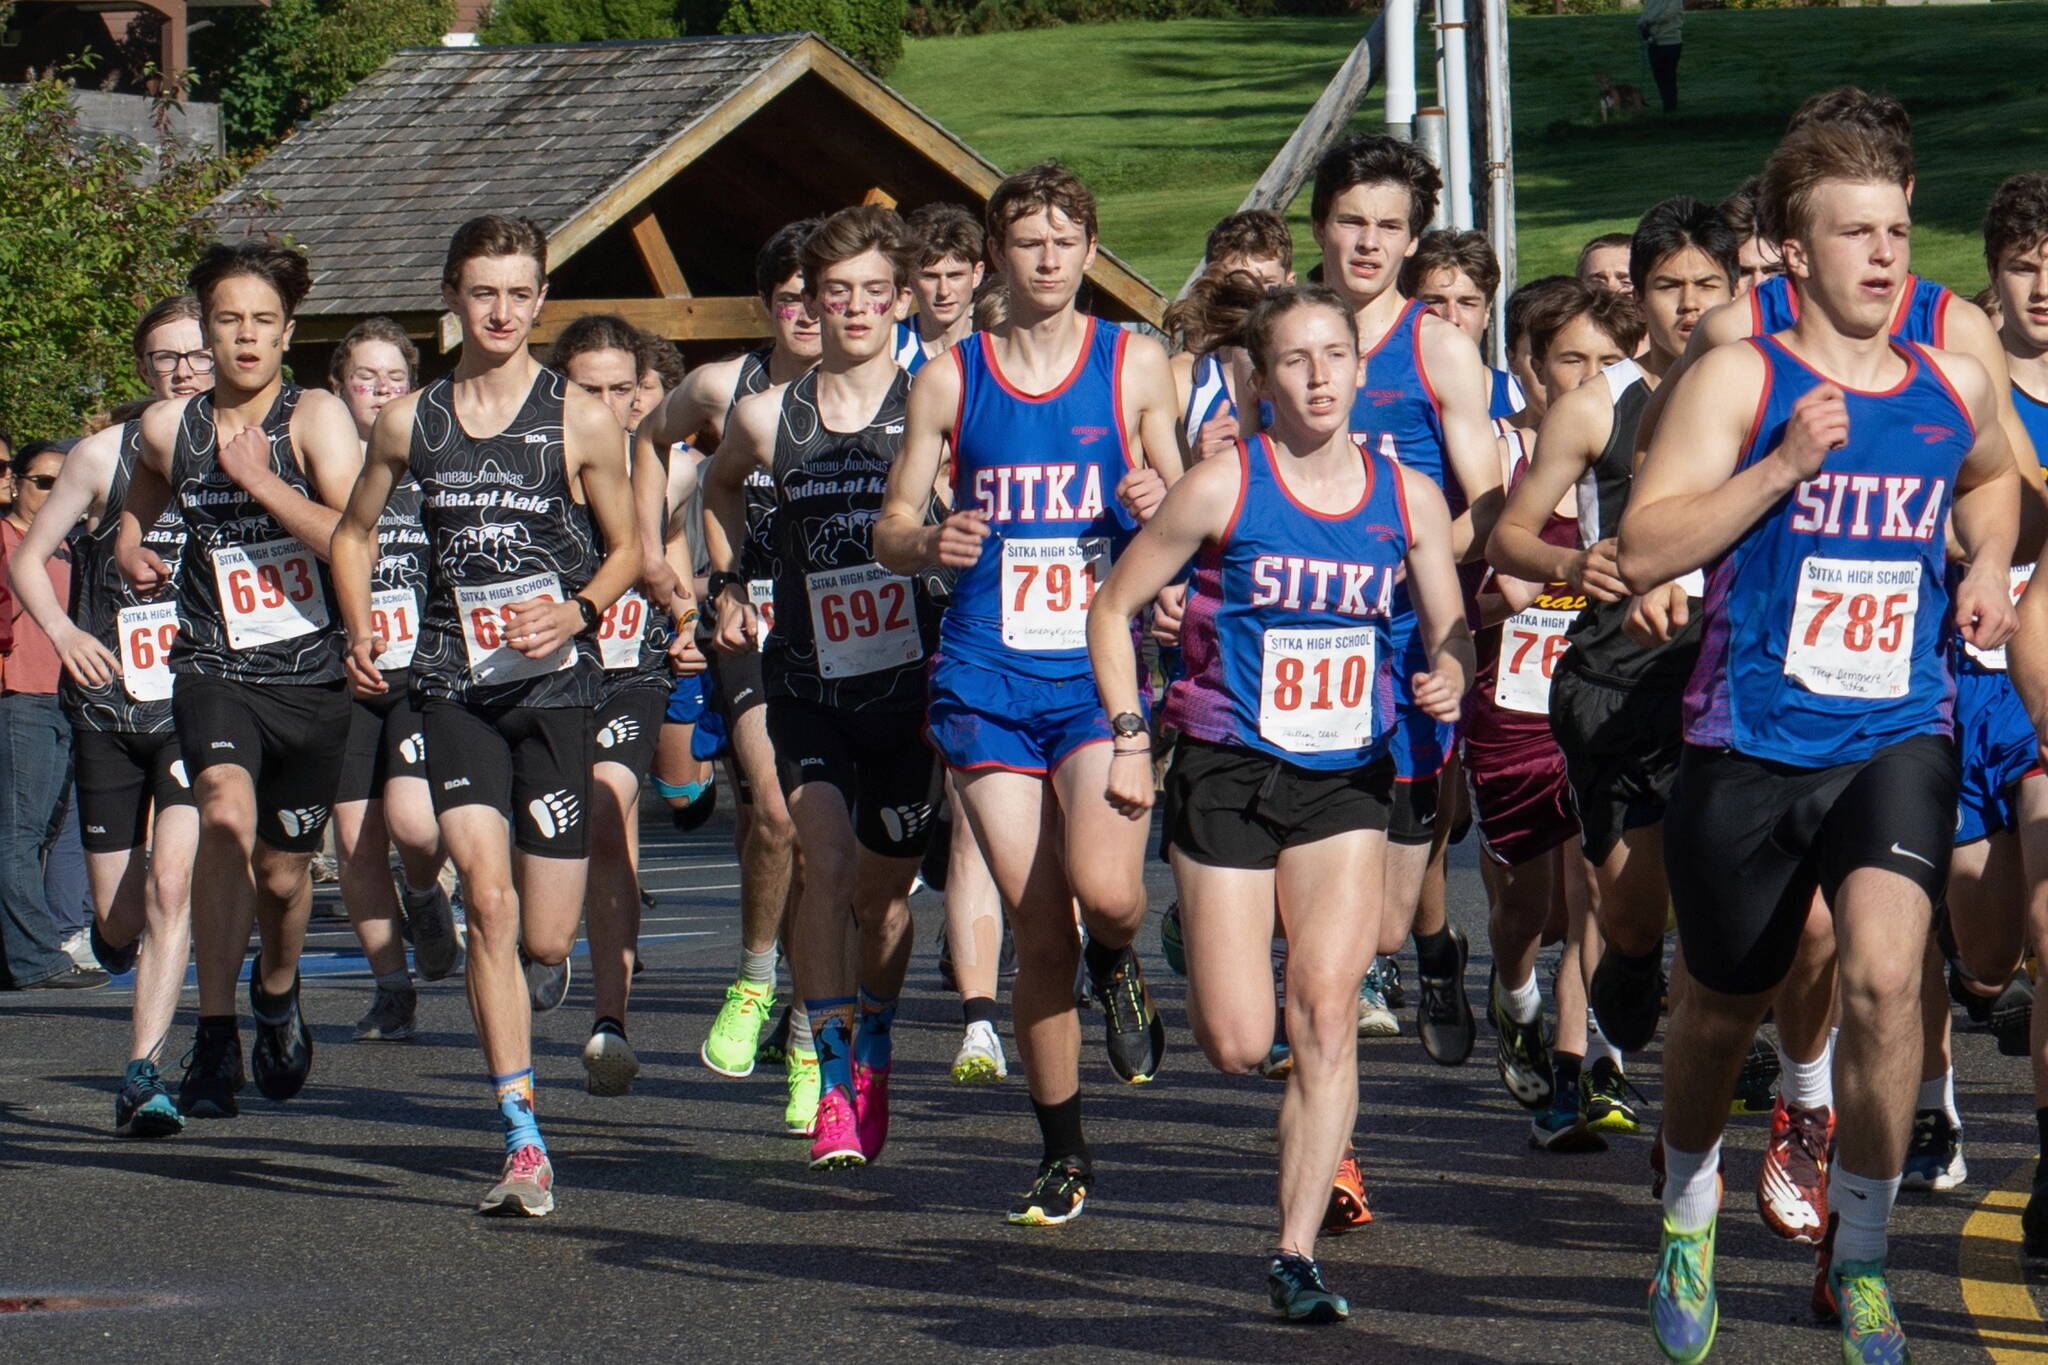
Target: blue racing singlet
[
  {"x": 1397, "y": 408},
  {"x": 1823, "y": 622},
  {"x": 1043, "y": 468},
  {"x": 908, "y": 348},
  {"x": 1922, "y": 318},
  {"x": 1506, "y": 397},
  {"x": 1286, "y": 634},
  {"x": 1967, "y": 658},
  {"x": 1208, "y": 394}
]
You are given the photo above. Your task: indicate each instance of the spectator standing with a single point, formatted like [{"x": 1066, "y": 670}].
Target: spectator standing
[{"x": 1662, "y": 26}]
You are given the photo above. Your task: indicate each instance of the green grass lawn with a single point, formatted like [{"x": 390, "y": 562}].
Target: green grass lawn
[{"x": 1171, "y": 123}]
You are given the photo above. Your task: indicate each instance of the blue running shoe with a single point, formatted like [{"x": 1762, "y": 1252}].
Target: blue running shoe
[
  {"x": 1683, "y": 1309},
  {"x": 1295, "y": 1285},
  {"x": 1871, "y": 1334},
  {"x": 144, "y": 1107}
]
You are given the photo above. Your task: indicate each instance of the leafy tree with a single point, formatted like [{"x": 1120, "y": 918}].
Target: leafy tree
[
  {"x": 92, "y": 231},
  {"x": 273, "y": 66},
  {"x": 578, "y": 21},
  {"x": 869, "y": 30}
]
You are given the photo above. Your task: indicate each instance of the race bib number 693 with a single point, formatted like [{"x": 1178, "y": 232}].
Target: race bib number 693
[
  {"x": 1852, "y": 627},
  {"x": 269, "y": 592}
]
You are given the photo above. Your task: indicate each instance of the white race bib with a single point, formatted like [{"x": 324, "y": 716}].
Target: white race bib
[
  {"x": 269, "y": 593},
  {"x": 1047, "y": 586},
  {"x": 1315, "y": 689},
  {"x": 146, "y": 635},
  {"x": 1852, "y": 627},
  {"x": 1531, "y": 643},
  {"x": 395, "y": 615},
  {"x": 619, "y": 631},
  {"x": 483, "y": 613},
  {"x": 2022, "y": 574},
  {"x": 1694, "y": 583},
  {"x": 761, "y": 592},
  {"x": 863, "y": 620}
]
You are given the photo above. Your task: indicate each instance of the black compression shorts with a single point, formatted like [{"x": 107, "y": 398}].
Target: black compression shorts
[
  {"x": 121, "y": 777},
  {"x": 289, "y": 738},
  {"x": 531, "y": 762}
]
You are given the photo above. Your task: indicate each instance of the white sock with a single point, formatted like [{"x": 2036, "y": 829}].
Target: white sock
[
  {"x": 1597, "y": 1045},
  {"x": 1940, "y": 1093},
  {"x": 1523, "y": 1003},
  {"x": 1692, "y": 1190},
  {"x": 1864, "y": 1206},
  {"x": 800, "y": 1030},
  {"x": 1810, "y": 1085},
  {"x": 758, "y": 968}
]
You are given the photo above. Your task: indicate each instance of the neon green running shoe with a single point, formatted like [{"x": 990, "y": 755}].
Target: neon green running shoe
[
  {"x": 1871, "y": 1334},
  {"x": 736, "y": 1032},
  {"x": 801, "y": 1115},
  {"x": 1683, "y": 1309}
]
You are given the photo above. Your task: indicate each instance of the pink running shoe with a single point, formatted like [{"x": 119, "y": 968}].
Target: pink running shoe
[
  {"x": 526, "y": 1189},
  {"x": 836, "y": 1141},
  {"x": 871, "y": 1107}
]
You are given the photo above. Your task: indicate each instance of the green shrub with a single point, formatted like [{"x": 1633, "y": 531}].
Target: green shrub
[
  {"x": 578, "y": 21},
  {"x": 871, "y": 31}
]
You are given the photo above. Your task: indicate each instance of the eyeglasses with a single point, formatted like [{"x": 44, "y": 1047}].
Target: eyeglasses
[
  {"x": 43, "y": 481},
  {"x": 163, "y": 362}
]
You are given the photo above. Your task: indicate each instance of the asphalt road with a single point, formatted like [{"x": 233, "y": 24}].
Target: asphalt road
[{"x": 338, "y": 1227}]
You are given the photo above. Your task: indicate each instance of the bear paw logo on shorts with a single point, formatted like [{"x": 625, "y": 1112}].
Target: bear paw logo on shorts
[
  {"x": 301, "y": 819},
  {"x": 901, "y": 823},
  {"x": 618, "y": 730},
  {"x": 555, "y": 813},
  {"x": 178, "y": 774},
  {"x": 413, "y": 748}
]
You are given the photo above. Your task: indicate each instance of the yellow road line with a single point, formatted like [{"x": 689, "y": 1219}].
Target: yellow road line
[{"x": 1994, "y": 1279}]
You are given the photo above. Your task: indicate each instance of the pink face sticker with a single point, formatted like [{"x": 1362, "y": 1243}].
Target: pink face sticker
[
  {"x": 789, "y": 312},
  {"x": 836, "y": 307}
]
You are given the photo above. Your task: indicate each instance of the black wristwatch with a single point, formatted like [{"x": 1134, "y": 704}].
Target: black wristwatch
[
  {"x": 590, "y": 613},
  {"x": 1127, "y": 725},
  {"x": 719, "y": 582}
]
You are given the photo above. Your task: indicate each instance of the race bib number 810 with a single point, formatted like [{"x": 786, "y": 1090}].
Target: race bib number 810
[
  {"x": 1852, "y": 627},
  {"x": 1315, "y": 689}
]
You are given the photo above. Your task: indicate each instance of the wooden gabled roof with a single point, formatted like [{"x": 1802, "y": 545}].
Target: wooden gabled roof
[{"x": 574, "y": 136}]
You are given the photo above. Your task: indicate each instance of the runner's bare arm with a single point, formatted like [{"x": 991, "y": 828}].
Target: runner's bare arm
[
  {"x": 749, "y": 444},
  {"x": 649, "y": 480},
  {"x": 1458, "y": 377},
  {"x": 1729, "y": 322},
  {"x": 82, "y": 483},
  {"x": 323, "y": 436},
  {"x": 149, "y": 493},
  {"x": 1439, "y": 602},
  {"x": 1146, "y": 392},
  {"x": 1689, "y": 504},
  {"x": 1197, "y": 509},
  {"x": 903, "y": 542},
  {"x": 1970, "y": 332},
  {"x": 595, "y": 453},
  {"x": 1569, "y": 441},
  {"x": 693, "y": 411},
  {"x": 352, "y": 549},
  {"x": 1986, "y": 513}
]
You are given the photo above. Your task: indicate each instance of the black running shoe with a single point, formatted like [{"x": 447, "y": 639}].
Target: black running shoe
[
  {"x": 1443, "y": 1016},
  {"x": 2034, "y": 1221},
  {"x": 2012, "y": 1014},
  {"x": 547, "y": 985},
  {"x": 1522, "y": 1056},
  {"x": 1295, "y": 1285},
  {"x": 1625, "y": 997},
  {"x": 283, "y": 1055},
  {"x": 1056, "y": 1197},
  {"x": 774, "y": 1046},
  {"x": 143, "y": 1108},
  {"x": 117, "y": 961},
  {"x": 1133, "y": 1032},
  {"x": 213, "y": 1076},
  {"x": 1756, "y": 1085}
]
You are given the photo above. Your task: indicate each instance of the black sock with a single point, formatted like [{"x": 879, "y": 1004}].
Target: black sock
[
  {"x": 1060, "y": 1126},
  {"x": 268, "y": 1008},
  {"x": 978, "y": 1009},
  {"x": 218, "y": 1024},
  {"x": 1640, "y": 965},
  {"x": 1564, "y": 1070},
  {"x": 2041, "y": 1121},
  {"x": 607, "y": 1024},
  {"x": 1437, "y": 954},
  {"x": 1101, "y": 958}
]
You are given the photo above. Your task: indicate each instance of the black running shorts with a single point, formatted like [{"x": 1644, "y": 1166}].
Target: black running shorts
[
  {"x": 627, "y": 722},
  {"x": 386, "y": 739},
  {"x": 289, "y": 738},
  {"x": 1416, "y": 803},
  {"x": 734, "y": 683},
  {"x": 1621, "y": 748},
  {"x": 120, "y": 778},
  {"x": 530, "y": 762},
  {"x": 878, "y": 761},
  {"x": 1747, "y": 842},
  {"x": 1233, "y": 807}
]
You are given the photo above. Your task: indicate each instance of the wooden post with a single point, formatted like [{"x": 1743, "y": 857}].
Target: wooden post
[
  {"x": 655, "y": 254},
  {"x": 878, "y": 195},
  {"x": 1326, "y": 121}
]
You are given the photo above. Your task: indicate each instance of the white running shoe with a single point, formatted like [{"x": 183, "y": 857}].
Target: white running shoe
[{"x": 980, "y": 1060}]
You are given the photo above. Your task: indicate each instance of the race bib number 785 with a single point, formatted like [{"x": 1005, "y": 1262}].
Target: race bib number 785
[{"x": 1852, "y": 627}]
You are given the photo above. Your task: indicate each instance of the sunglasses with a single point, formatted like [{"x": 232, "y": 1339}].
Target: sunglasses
[{"x": 43, "y": 481}]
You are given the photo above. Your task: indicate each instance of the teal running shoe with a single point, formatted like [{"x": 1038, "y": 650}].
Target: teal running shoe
[
  {"x": 1295, "y": 1285},
  {"x": 1871, "y": 1334},
  {"x": 1683, "y": 1309}
]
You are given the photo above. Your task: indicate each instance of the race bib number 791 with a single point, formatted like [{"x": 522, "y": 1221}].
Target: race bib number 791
[
  {"x": 1852, "y": 627},
  {"x": 1047, "y": 586}
]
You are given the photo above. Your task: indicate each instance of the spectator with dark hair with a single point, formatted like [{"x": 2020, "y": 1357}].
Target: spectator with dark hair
[{"x": 35, "y": 753}]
